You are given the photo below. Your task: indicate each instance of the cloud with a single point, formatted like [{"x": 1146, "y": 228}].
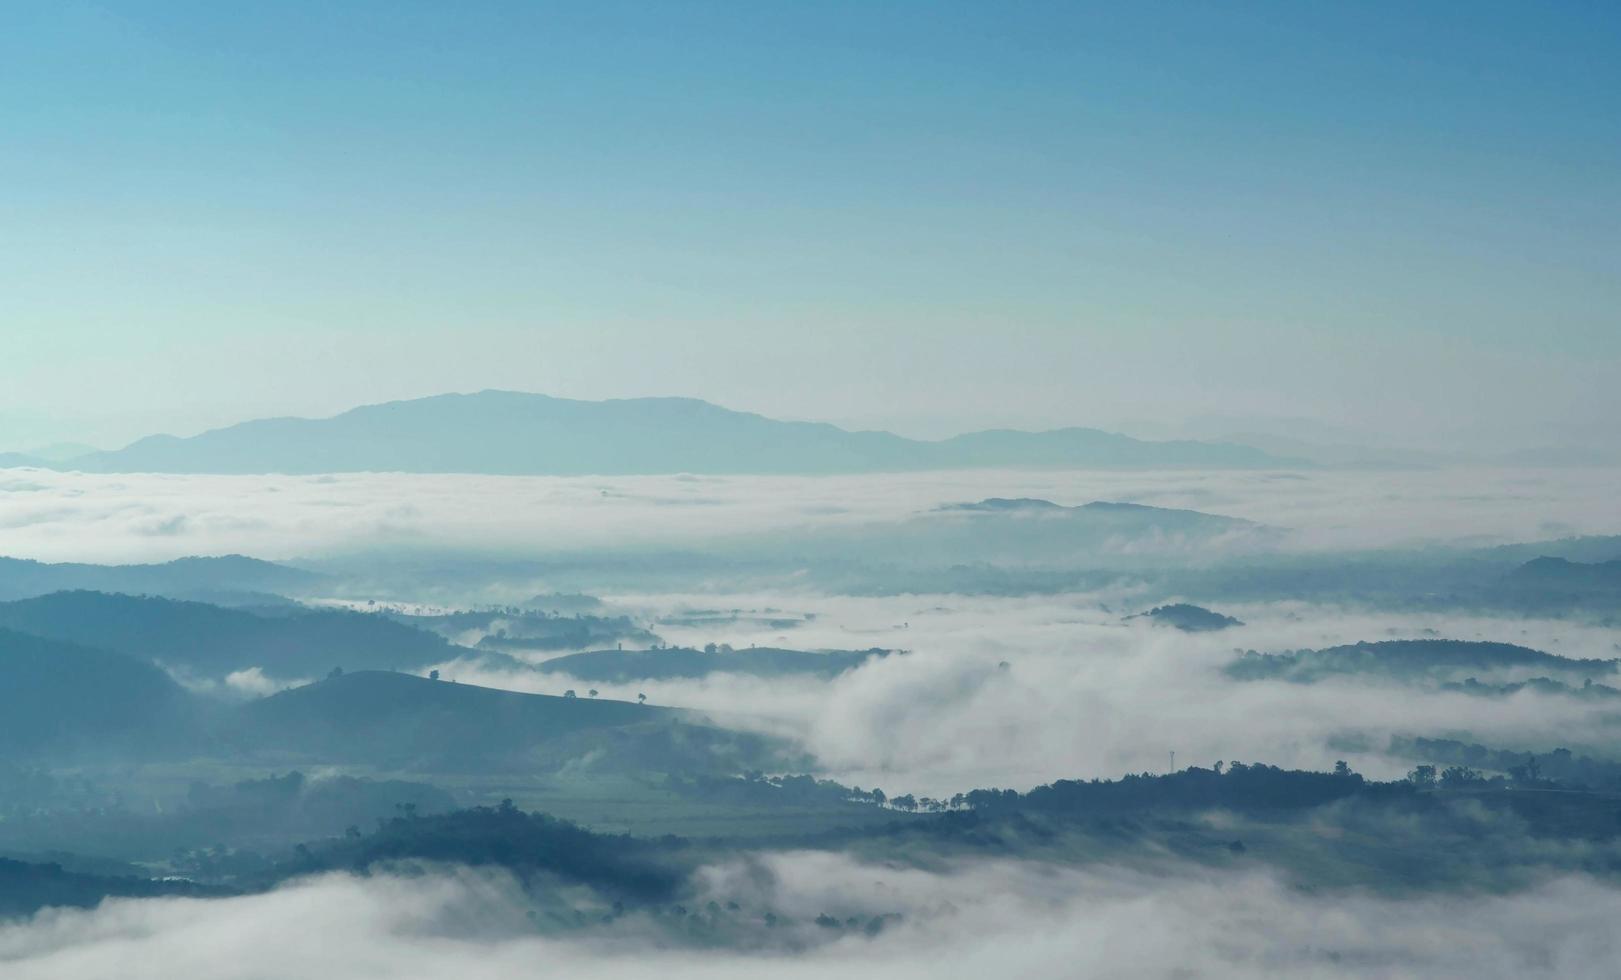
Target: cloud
[
  {"x": 142, "y": 517},
  {"x": 987, "y": 918},
  {"x": 1085, "y": 694},
  {"x": 238, "y": 685},
  {"x": 252, "y": 682}
]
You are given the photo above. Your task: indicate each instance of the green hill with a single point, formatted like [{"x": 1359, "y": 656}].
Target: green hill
[
  {"x": 62, "y": 698},
  {"x": 183, "y": 577},
  {"x": 1435, "y": 659},
  {"x": 682, "y": 663},
  {"x": 401, "y": 719},
  {"x": 212, "y": 641},
  {"x": 26, "y": 888},
  {"x": 1188, "y": 618}
]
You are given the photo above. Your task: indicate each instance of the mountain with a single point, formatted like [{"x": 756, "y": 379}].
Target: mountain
[
  {"x": 505, "y": 432},
  {"x": 21, "y": 578},
  {"x": 211, "y": 641}
]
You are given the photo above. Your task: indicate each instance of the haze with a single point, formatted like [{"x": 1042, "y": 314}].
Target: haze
[
  {"x": 627, "y": 489},
  {"x": 1400, "y": 225}
]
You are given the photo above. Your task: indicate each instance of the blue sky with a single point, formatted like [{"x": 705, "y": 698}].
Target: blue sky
[{"x": 929, "y": 217}]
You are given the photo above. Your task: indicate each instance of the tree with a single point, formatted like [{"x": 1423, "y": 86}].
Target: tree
[
  {"x": 1422, "y": 776},
  {"x": 569, "y": 693},
  {"x": 433, "y": 675},
  {"x": 1341, "y": 769},
  {"x": 1457, "y": 777},
  {"x": 1530, "y": 774},
  {"x": 336, "y": 672},
  {"x": 592, "y": 692},
  {"x": 641, "y": 699}
]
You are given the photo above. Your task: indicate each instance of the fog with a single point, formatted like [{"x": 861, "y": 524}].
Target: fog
[
  {"x": 967, "y": 920},
  {"x": 1086, "y": 693},
  {"x": 55, "y": 516},
  {"x": 1353, "y": 269}
]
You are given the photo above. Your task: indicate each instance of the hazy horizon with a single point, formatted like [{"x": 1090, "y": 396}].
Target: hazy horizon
[
  {"x": 1279, "y": 434},
  {"x": 415, "y": 564},
  {"x": 928, "y": 218}
]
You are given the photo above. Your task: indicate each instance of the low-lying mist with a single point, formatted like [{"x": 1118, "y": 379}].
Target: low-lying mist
[
  {"x": 825, "y": 915},
  {"x": 1084, "y": 692},
  {"x": 54, "y": 516}
]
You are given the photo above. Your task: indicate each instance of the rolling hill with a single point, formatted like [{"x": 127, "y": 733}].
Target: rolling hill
[
  {"x": 506, "y": 432},
  {"x": 1559, "y": 575},
  {"x": 1414, "y": 659},
  {"x": 685, "y": 663},
  {"x": 1188, "y": 618},
  {"x": 211, "y": 641},
  {"x": 184, "y": 577},
  {"x": 62, "y": 698},
  {"x": 383, "y": 717}
]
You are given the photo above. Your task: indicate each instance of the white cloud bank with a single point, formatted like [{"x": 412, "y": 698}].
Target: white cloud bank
[
  {"x": 1084, "y": 694},
  {"x": 1004, "y": 919},
  {"x": 144, "y": 517}
]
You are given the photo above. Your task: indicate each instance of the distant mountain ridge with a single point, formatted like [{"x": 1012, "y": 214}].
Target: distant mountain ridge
[
  {"x": 518, "y": 433},
  {"x": 21, "y": 578},
  {"x": 1563, "y": 574}
]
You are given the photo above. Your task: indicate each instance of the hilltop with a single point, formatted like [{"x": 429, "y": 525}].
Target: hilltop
[
  {"x": 687, "y": 663},
  {"x": 1188, "y": 618},
  {"x": 213, "y": 641},
  {"x": 21, "y": 578},
  {"x": 1412, "y": 659},
  {"x": 384, "y": 718}
]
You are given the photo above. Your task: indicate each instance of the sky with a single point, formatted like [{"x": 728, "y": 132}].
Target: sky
[{"x": 1404, "y": 224}]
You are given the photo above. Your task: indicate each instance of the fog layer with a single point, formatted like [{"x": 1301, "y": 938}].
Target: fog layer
[
  {"x": 134, "y": 517},
  {"x": 973, "y": 920}
]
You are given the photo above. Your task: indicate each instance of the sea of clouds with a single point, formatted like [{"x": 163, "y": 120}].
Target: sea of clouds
[
  {"x": 1085, "y": 691},
  {"x": 53, "y": 516},
  {"x": 970, "y": 920}
]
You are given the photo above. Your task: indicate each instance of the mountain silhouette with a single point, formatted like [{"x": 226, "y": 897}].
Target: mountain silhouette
[{"x": 516, "y": 433}]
